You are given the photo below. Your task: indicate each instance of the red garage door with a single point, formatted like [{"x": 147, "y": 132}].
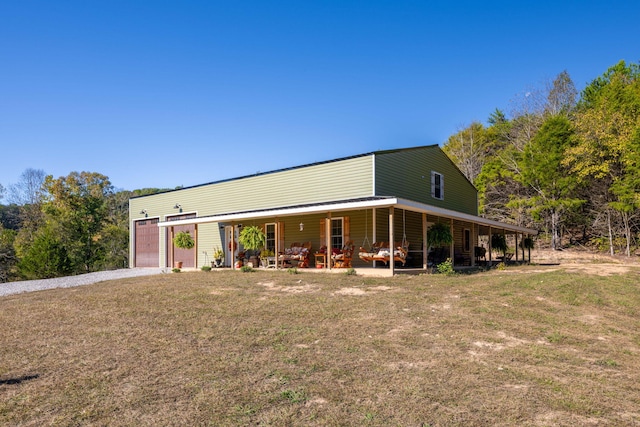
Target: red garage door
[{"x": 147, "y": 243}]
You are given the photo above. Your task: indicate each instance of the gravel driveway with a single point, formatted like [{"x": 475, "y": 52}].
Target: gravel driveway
[{"x": 71, "y": 281}]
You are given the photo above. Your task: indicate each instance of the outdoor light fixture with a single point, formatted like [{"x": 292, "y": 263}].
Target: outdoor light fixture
[
  {"x": 178, "y": 206},
  {"x": 301, "y": 226},
  {"x": 144, "y": 212}
]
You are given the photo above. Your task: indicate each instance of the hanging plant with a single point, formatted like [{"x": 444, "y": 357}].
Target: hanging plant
[
  {"x": 499, "y": 243},
  {"x": 439, "y": 234},
  {"x": 252, "y": 237},
  {"x": 527, "y": 243},
  {"x": 183, "y": 240}
]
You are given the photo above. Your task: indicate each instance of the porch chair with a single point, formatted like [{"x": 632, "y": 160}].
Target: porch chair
[{"x": 344, "y": 257}]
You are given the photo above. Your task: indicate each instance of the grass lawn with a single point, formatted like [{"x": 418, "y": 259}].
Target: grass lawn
[{"x": 519, "y": 347}]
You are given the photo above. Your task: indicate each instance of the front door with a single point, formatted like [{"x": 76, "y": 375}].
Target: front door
[{"x": 230, "y": 252}]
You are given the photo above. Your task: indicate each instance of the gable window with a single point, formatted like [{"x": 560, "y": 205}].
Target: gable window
[{"x": 437, "y": 185}]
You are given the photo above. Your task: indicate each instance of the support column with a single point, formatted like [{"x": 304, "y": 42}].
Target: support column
[
  {"x": 233, "y": 246},
  {"x": 327, "y": 232},
  {"x": 453, "y": 243},
  {"x": 392, "y": 264},
  {"x": 474, "y": 243},
  {"x": 375, "y": 226},
  {"x": 490, "y": 246},
  {"x": 425, "y": 249}
]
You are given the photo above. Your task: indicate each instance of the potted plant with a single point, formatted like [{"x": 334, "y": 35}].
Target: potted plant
[
  {"x": 438, "y": 236},
  {"x": 527, "y": 243},
  {"x": 252, "y": 238},
  {"x": 499, "y": 243},
  {"x": 218, "y": 256},
  {"x": 265, "y": 256},
  {"x": 183, "y": 240}
]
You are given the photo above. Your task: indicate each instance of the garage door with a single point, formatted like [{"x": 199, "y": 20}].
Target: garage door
[{"x": 147, "y": 243}]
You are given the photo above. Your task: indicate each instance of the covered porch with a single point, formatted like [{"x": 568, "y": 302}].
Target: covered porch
[{"x": 327, "y": 229}]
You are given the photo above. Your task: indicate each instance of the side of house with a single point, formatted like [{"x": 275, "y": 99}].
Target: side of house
[{"x": 391, "y": 196}]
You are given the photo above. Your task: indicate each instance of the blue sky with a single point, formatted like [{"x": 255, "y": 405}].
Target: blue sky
[{"x": 168, "y": 93}]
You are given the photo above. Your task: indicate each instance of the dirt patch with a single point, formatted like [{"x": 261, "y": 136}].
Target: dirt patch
[
  {"x": 577, "y": 261},
  {"x": 295, "y": 289}
]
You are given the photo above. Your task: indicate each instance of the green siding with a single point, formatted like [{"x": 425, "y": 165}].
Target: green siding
[
  {"x": 407, "y": 174},
  {"x": 400, "y": 173},
  {"x": 338, "y": 180}
]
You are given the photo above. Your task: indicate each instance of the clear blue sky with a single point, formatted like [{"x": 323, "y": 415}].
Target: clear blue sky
[{"x": 166, "y": 93}]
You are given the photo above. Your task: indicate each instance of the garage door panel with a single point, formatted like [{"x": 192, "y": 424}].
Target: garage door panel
[{"x": 147, "y": 240}]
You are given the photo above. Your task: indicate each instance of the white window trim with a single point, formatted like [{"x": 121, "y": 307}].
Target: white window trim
[
  {"x": 275, "y": 231},
  {"x": 341, "y": 219}
]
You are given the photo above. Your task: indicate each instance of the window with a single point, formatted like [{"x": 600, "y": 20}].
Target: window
[
  {"x": 270, "y": 232},
  {"x": 437, "y": 185},
  {"x": 467, "y": 240},
  {"x": 336, "y": 233}
]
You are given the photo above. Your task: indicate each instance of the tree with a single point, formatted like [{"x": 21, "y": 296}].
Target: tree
[
  {"x": 562, "y": 94},
  {"x": 28, "y": 194},
  {"x": 542, "y": 171},
  {"x": 28, "y": 190},
  {"x": 46, "y": 257},
  {"x": 77, "y": 204},
  {"x": 606, "y": 153},
  {"x": 7, "y": 254},
  {"x": 468, "y": 149}
]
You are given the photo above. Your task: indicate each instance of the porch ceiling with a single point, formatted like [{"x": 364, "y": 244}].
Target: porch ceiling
[{"x": 352, "y": 204}]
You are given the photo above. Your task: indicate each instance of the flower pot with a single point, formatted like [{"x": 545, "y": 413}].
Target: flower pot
[{"x": 178, "y": 264}]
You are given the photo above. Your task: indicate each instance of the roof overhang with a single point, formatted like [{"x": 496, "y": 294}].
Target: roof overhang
[{"x": 349, "y": 205}]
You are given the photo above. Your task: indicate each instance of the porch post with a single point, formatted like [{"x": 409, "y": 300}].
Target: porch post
[
  {"x": 490, "y": 246},
  {"x": 516, "y": 246},
  {"x": 327, "y": 231},
  {"x": 474, "y": 243},
  {"x": 172, "y": 262},
  {"x": 392, "y": 264},
  {"x": 373, "y": 235},
  {"x": 233, "y": 245},
  {"x": 276, "y": 248},
  {"x": 453, "y": 243},
  {"x": 425, "y": 249}
]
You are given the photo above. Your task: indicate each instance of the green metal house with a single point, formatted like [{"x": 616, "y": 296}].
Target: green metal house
[{"x": 391, "y": 196}]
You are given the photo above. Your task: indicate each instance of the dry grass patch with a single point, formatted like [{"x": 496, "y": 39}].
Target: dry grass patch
[{"x": 269, "y": 348}]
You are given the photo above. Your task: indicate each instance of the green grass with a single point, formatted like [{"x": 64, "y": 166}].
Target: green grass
[{"x": 512, "y": 347}]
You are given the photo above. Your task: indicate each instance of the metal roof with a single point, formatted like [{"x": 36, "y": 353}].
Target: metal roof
[{"x": 293, "y": 168}]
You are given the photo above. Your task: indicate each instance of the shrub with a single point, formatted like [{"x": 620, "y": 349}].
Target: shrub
[
  {"x": 350, "y": 272},
  {"x": 176, "y": 270},
  {"x": 47, "y": 257},
  {"x": 206, "y": 268},
  {"x": 446, "y": 267},
  {"x": 292, "y": 270},
  {"x": 246, "y": 269}
]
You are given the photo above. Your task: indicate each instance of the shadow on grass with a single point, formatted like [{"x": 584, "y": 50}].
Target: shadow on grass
[{"x": 19, "y": 380}]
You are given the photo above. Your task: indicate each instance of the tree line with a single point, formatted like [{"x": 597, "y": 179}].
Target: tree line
[
  {"x": 565, "y": 163},
  {"x": 63, "y": 226},
  {"x": 562, "y": 162}
]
